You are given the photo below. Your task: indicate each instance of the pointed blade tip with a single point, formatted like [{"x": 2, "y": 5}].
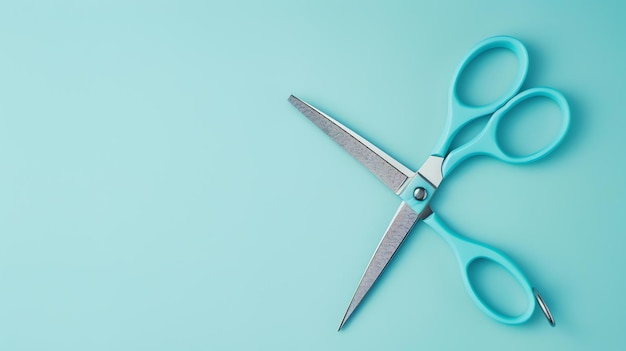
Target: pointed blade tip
[
  {"x": 345, "y": 317},
  {"x": 293, "y": 99}
]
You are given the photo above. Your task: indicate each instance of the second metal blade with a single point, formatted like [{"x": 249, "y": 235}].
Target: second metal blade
[{"x": 395, "y": 234}]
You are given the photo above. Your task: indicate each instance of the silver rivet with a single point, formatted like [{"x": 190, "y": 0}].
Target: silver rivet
[{"x": 420, "y": 194}]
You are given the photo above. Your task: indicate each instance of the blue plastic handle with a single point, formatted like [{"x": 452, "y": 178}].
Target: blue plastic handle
[
  {"x": 460, "y": 113},
  {"x": 486, "y": 142},
  {"x": 468, "y": 251}
]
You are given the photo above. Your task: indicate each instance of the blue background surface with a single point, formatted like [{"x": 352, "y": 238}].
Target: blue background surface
[{"x": 157, "y": 191}]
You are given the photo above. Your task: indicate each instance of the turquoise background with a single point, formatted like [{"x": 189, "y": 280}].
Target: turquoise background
[{"x": 157, "y": 191}]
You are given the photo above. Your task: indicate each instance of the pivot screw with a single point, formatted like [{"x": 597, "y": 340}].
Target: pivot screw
[{"x": 420, "y": 194}]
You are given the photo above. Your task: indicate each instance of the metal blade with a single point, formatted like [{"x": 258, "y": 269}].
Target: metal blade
[
  {"x": 383, "y": 166},
  {"x": 397, "y": 231}
]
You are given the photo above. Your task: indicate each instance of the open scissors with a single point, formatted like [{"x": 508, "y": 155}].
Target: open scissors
[{"x": 416, "y": 189}]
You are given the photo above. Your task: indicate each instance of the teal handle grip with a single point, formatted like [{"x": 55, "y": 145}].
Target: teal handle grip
[
  {"x": 460, "y": 113},
  {"x": 486, "y": 142},
  {"x": 467, "y": 251}
]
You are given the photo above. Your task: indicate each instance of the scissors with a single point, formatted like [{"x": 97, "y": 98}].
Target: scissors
[{"x": 416, "y": 189}]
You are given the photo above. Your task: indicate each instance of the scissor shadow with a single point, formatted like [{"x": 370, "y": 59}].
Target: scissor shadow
[{"x": 576, "y": 134}]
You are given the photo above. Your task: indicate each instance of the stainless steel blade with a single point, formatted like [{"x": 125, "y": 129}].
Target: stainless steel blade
[
  {"x": 395, "y": 234},
  {"x": 383, "y": 166}
]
